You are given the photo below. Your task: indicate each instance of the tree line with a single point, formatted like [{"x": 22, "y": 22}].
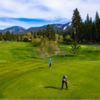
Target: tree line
[{"x": 87, "y": 31}]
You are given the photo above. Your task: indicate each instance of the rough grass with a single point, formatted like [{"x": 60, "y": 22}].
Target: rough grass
[{"x": 25, "y": 76}]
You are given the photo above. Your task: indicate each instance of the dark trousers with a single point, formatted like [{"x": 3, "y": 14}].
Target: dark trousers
[
  {"x": 64, "y": 83},
  {"x": 49, "y": 65}
]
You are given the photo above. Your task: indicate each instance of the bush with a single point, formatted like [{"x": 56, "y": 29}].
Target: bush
[
  {"x": 36, "y": 42},
  {"x": 48, "y": 48},
  {"x": 75, "y": 48}
]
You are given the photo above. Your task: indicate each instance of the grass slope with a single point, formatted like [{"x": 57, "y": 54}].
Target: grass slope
[{"x": 24, "y": 76}]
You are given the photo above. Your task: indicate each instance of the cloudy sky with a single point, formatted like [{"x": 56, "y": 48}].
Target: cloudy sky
[{"x": 28, "y": 13}]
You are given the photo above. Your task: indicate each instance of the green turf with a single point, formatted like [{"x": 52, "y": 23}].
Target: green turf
[{"x": 25, "y": 76}]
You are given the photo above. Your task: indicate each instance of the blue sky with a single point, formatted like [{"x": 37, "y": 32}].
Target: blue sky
[{"x": 31, "y": 13}]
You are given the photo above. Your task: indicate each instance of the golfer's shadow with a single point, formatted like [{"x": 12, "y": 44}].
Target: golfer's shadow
[{"x": 52, "y": 87}]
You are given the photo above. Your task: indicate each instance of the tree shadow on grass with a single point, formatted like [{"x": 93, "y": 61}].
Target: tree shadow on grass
[
  {"x": 67, "y": 55},
  {"x": 53, "y": 87},
  {"x": 1, "y": 96},
  {"x": 39, "y": 68}
]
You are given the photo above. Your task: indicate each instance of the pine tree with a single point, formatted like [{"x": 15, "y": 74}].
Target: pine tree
[
  {"x": 50, "y": 33},
  {"x": 8, "y": 36},
  {"x": 0, "y": 36},
  {"x": 97, "y": 27},
  {"x": 89, "y": 34},
  {"x": 77, "y": 25},
  {"x": 77, "y": 29}
]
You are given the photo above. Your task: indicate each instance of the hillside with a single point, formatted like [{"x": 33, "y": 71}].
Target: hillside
[{"x": 19, "y": 29}]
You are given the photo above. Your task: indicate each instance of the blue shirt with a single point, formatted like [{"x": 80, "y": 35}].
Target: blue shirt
[{"x": 50, "y": 60}]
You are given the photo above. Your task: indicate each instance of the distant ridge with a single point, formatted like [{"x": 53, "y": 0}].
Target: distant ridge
[
  {"x": 14, "y": 29},
  {"x": 19, "y": 29}
]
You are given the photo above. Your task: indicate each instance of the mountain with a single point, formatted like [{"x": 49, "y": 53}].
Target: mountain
[
  {"x": 35, "y": 29},
  {"x": 19, "y": 30},
  {"x": 14, "y": 29},
  {"x": 57, "y": 27}
]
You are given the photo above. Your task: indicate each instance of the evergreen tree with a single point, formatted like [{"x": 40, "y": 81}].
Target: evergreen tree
[
  {"x": 97, "y": 27},
  {"x": 1, "y": 37},
  {"x": 88, "y": 29},
  {"x": 7, "y": 36},
  {"x": 50, "y": 33},
  {"x": 77, "y": 25}
]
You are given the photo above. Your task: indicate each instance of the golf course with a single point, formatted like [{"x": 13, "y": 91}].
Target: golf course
[{"x": 24, "y": 75}]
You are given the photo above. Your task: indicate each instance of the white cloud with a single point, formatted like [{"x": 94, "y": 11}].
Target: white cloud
[
  {"x": 52, "y": 8},
  {"x": 47, "y": 9},
  {"x": 26, "y": 22},
  {"x": 10, "y": 23}
]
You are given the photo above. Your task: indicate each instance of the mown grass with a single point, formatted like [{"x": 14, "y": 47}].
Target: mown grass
[{"x": 25, "y": 76}]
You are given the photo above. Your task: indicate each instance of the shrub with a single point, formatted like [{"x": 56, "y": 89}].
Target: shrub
[
  {"x": 75, "y": 48},
  {"x": 36, "y": 42},
  {"x": 48, "y": 48}
]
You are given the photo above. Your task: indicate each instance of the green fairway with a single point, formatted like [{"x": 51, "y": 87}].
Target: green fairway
[{"x": 23, "y": 75}]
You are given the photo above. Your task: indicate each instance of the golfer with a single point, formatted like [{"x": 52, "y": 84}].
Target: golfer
[
  {"x": 64, "y": 81},
  {"x": 50, "y": 62}
]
